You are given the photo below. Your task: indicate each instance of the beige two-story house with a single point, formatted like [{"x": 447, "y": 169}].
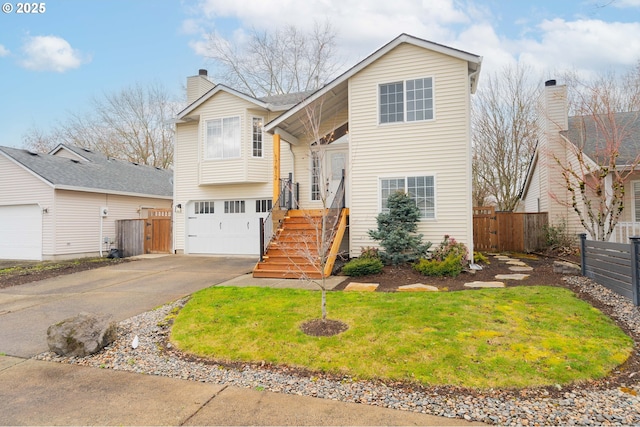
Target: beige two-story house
[{"x": 397, "y": 121}]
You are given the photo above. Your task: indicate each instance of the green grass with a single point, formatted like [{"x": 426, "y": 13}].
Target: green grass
[{"x": 512, "y": 337}]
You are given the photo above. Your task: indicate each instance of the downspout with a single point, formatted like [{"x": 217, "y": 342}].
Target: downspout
[{"x": 472, "y": 264}]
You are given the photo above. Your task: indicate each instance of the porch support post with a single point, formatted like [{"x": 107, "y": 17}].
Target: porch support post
[{"x": 276, "y": 168}]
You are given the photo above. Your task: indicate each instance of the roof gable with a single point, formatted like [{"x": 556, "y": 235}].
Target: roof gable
[
  {"x": 338, "y": 87},
  {"x": 96, "y": 173}
]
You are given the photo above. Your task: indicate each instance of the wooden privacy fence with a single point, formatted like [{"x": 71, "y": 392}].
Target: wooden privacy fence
[
  {"x": 613, "y": 265},
  {"x": 508, "y": 231},
  {"x": 150, "y": 235}
]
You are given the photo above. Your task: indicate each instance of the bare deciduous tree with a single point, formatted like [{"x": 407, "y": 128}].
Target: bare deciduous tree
[
  {"x": 602, "y": 153},
  {"x": 270, "y": 63},
  {"x": 132, "y": 124},
  {"x": 503, "y": 135}
]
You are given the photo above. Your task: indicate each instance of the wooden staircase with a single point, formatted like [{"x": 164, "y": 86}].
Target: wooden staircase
[{"x": 294, "y": 251}]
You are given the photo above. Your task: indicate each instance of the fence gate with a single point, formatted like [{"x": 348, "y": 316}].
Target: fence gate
[
  {"x": 157, "y": 232},
  {"x": 485, "y": 229}
]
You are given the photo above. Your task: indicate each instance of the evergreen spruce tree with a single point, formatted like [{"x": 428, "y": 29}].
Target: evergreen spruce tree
[{"x": 396, "y": 231}]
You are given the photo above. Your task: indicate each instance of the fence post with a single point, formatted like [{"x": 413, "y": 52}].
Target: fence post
[
  {"x": 635, "y": 277},
  {"x": 583, "y": 256}
]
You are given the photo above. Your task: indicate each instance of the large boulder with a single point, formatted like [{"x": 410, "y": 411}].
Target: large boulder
[{"x": 81, "y": 335}]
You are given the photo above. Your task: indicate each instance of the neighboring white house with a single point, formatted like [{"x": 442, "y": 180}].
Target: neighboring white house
[
  {"x": 560, "y": 137},
  {"x": 64, "y": 204},
  {"x": 398, "y": 120}
]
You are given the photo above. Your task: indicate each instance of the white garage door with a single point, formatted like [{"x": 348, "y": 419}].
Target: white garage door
[
  {"x": 21, "y": 232},
  {"x": 225, "y": 227}
]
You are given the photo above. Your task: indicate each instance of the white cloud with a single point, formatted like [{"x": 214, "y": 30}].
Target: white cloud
[
  {"x": 3, "y": 51},
  {"x": 587, "y": 46},
  {"x": 552, "y": 45},
  {"x": 50, "y": 53}
]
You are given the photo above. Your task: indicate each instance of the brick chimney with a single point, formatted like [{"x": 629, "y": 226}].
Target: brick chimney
[{"x": 198, "y": 85}]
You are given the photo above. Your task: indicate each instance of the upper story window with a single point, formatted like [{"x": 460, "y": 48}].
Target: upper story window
[
  {"x": 223, "y": 138},
  {"x": 256, "y": 132},
  {"x": 406, "y": 101}
]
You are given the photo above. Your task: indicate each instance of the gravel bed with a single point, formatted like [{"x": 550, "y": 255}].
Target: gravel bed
[{"x": 570, "y": 405}]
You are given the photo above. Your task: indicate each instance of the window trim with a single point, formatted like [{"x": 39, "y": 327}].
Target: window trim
[
  {"x": 206, "y": 137},
  {"x": 253, "y": 135},
  {"x": 404, "y": 104},
  {"x": 406, "y": 177}
]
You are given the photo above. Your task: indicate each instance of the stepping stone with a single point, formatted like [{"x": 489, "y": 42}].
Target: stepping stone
[
  {"x": 516, "y": 268},
  {"x": 516, "y": 276},
  {"x": 517, "y": 262},
  {"x": 485, "y": 285},
  {"x": 503, "y": 258},
  {"x": 417, "y": 287},
  {"x": 362, "y": 287}
]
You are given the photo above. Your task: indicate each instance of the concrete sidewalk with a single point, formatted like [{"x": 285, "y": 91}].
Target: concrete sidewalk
[{"x": 47, "y": 393}]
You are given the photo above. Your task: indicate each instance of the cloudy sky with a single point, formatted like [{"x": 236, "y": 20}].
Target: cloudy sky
[{"x": 52, "y": 62}]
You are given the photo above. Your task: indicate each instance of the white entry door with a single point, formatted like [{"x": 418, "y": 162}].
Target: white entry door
[{"x": 336, "y": 165}]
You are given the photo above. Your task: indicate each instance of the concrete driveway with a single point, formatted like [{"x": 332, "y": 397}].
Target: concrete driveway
[{"x": 123, "y": 290}]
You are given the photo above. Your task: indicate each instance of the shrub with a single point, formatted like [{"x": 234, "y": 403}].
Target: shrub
[
  {"x": 396, "y": 231},
  {"x": 362, "y": 267},
  {"x": 480, "y": 258},
  {"x": 450, "y": 246},
  {"x": 451, "y": 266},
  {"x": 558, "y": 238},
  {"x": 369, "y": 252}
]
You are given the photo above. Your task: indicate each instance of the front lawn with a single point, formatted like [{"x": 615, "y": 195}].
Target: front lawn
[{"x": 511, "y": 337}]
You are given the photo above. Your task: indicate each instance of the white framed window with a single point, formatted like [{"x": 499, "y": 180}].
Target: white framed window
[
  {"x": 257, "y": 135},
  {"x": 264, "y": 205},
  {"x": 204, "y": 207},
  {"x": 421, "y": 189},
  {"x": 315, "y": 176},
  {"x": 406, "y": 101},
  {"x": 223, "y": 138},
  {"x": 234, "y": 206},
  {"x": 635, "y": 188}
]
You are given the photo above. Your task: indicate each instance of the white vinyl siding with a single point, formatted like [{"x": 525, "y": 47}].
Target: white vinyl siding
[
  {"x": 440, "y": 146},
  {"x": 197, "y": 179},
  {"x": 635, "y": 186}
]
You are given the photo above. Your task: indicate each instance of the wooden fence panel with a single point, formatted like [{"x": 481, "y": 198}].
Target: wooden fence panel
[
  {"x": 485, "y": 234},
  {"x": 508, "y": 231},
  {"x": 130, "y": 237}
]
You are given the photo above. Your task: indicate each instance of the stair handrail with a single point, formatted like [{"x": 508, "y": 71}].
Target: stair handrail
[
  {"x": 333, "y": 215},
  {"x": 288, "y": 199}
]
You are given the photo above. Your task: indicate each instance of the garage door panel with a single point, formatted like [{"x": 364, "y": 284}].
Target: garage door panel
[
  {"x": 224, "y": 233},
  {"x": 21, "y": 232}
]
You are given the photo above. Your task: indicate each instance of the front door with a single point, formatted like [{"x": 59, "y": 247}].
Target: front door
[{"x": 336, "y": 166}]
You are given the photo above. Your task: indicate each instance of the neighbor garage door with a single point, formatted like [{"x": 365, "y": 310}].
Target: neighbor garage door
[
  {"x": 225, "y": 227},
  {"x": 21, "y": 232}
]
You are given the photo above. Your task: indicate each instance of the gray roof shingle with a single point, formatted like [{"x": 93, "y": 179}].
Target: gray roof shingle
[
  {"x": 96, "y": 173},
  {"x": 592, "y": 138}
]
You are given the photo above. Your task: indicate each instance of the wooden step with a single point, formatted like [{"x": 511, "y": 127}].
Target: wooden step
[{"x": 284, "y": 275}]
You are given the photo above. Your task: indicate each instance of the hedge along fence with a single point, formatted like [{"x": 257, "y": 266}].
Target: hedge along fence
[{"x": 613, "y": 265}]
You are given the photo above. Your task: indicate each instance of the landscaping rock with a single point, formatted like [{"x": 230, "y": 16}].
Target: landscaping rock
[
  {"x": 81, "y": 335},
  {"x": 417, "y": 287},
  {"x": 485, "y": 285},
  {"x": 515, "y": 276},
  {"x": 362, "y": 287},
  {"x": 519, "y": 268},
  {"x": 563, "y": 267}
]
